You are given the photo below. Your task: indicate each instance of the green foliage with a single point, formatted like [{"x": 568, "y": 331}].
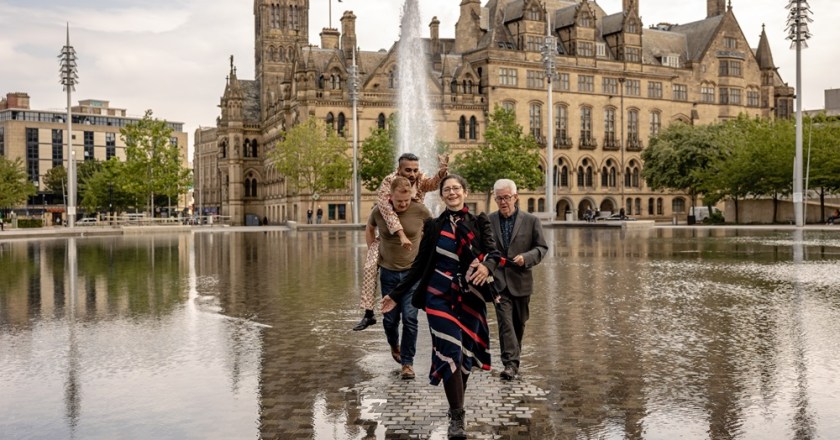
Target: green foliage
[
  {"x": 153, "y": 164},
  {"x": 312, "y": 158},
  {"x": 508, "y": 154},
  {"x": 15, "y": 187},
  {"x": 55, "y": 180},
  {"x": 29, "y": 223},
  {"x": 678, "y": 158},
  {"x": 378, "y": 155},
  {"x": 106, "y": 189}
]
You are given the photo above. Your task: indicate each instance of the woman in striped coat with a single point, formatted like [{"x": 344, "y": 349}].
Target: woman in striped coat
[{"x": 454, "y": 264}]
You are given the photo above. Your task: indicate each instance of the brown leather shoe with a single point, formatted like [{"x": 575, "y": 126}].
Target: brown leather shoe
[
  {"x": 395, "y": 353},
  {"x": 407, "y": 372}
]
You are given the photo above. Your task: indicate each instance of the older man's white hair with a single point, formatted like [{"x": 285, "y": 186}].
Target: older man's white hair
[{"x": 504, "y": 184}]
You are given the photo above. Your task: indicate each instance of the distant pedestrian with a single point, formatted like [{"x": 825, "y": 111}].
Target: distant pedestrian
[
  {"x": 320, "y": 214},
  {"x": 309, "y": 216},
  {"x": 2, "y": 227},
  {"x": 833, "y": 217}
]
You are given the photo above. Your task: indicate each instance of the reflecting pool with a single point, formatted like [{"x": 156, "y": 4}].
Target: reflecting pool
[{"x": 650, "y": 334}]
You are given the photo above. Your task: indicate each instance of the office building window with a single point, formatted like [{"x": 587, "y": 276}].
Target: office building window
[
  {"x": 561, "y": 122},
  {"x": 89, "y": 145},
  {"x": 57, "y": 147},
  {"x": 110, "y": 145},
  {"x": 2, "y": 141},
  {"x": 32, "y": 166},
  {"x": 473, "y": 128}
]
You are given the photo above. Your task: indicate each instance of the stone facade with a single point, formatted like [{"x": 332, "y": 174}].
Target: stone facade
[{"x": 617, "y": 83}]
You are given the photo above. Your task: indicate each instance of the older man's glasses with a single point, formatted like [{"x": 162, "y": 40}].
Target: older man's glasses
[
  {"x": 506, "y": 198},
  {"x": 452, "y": 189}
]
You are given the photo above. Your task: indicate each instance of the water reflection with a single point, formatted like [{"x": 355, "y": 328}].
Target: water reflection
[{"x": 668, "y": 333}]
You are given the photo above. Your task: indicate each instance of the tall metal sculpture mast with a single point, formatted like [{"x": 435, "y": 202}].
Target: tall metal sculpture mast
[
  {"x": 69, "y": 78},
  {"x": 799, "y": 16}
]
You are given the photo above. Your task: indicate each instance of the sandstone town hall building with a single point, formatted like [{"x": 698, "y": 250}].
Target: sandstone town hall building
[{"x": 618, "y": 82}]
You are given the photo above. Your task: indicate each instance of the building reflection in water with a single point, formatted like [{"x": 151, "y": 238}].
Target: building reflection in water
[{"x": 668, "y": 333}]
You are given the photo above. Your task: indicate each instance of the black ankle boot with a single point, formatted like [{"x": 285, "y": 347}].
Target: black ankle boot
[{"x": 456, "y": 425}]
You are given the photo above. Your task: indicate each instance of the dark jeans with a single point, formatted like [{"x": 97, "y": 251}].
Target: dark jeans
[
  {"x": 388, "y": 280},
  {"x": 511, "y": 313}
]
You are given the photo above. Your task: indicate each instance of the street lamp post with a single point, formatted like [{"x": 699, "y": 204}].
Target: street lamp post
[
  {"x": 798, "y": 19},
  {"x": 548, "y": 61},
  {"x": 622, "y": 203},
  {"x": 69, "y": 78},
  {"x": 354, "y": 97}
]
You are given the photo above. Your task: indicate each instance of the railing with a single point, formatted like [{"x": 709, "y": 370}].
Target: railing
[
  {"x": 611, "y": 144},
  {"x": 635, "y": 145},
  {"x": 587, "y": 143},
  {"x": 562, "y": 142}
]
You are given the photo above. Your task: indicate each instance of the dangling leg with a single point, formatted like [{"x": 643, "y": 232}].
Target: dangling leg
[{"x": 369, "y": 272}]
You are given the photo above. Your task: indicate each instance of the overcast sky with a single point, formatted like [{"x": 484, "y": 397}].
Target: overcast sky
[{"x": 172, "y": 56}]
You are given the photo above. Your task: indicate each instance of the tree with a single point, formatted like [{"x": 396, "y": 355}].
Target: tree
[
  {"x": 378, "y": 155},
  {"x": 312, "y": 158},
  {"x": 15, "y": 187},
  {"x": 152, "y": 163},
  {"x": 508, "y": 154},
  {"x": 678, "y": 158},
  {"x": 55, "y": 180},
  {"x": 822, "y": 134},
  {"x": 105, "y": 189}
]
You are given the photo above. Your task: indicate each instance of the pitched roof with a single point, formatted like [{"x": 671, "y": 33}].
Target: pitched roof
[
  {"x": 699, "y": 34},
  {"x": 657, "y": 43}
]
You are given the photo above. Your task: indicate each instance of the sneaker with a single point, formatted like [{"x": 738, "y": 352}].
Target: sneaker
[
  {"x": 395, "y": 353},
  {"x": 407, "y": 372},
  {"x": 364, "y": 323}
]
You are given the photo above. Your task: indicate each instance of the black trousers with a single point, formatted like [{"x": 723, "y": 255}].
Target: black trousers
[{"x": 512, "y": 314}]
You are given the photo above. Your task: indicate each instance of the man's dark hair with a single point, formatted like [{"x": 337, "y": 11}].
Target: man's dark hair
[{"x": 408, "y": 156}]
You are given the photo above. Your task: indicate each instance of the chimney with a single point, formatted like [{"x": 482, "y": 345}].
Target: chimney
[
  {"x": 434, "y": 34},
  {"x": 715, "y": 8},
  {"x": 17, "y": 100},
  {"x": 329, "y": 38},
  {"x": 348, "y": 33}
]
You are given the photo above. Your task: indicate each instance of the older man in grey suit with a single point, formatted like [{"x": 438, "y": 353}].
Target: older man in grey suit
[{"x": 519, "y": 237}]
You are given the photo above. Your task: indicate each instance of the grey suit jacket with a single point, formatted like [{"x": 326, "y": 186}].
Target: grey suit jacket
[{"x": 527, "y": 240}]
